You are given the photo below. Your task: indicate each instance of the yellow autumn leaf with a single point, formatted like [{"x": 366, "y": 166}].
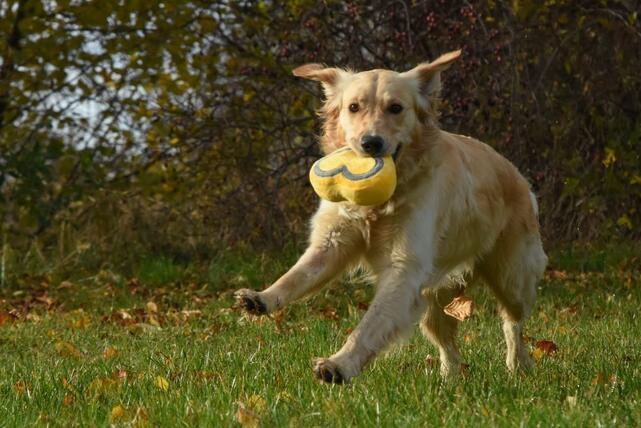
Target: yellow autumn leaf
[
  {"x": 610, "y": 157},
  {"x": 80, "y": 319},
  {"x": 174, "y": 141},
  {"x": 161, "y": 383},
  {"x": 117, "y": 412},
  {"x": 624, "y": 221},
  {"x": 250, "y": 410},
  {"x": 257, "y": 403},
  {"x": 286, "y": 397},
  {"x": 248, "y": 96},
  {"x": 537, "y": 354},
  {"x": 103, "y": 386}
]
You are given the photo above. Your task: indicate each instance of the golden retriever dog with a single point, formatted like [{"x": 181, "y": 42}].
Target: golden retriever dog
[{"x": 460, "y": 212}]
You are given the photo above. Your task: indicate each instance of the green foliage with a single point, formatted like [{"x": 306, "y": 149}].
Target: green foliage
[{"x": 183, "y": 115}]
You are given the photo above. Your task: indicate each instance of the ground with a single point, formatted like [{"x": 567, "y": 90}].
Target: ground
[{"x": 161, "y": 347}]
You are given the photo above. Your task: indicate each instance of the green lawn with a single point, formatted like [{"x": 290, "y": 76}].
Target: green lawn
[{"x": 164, "y": 349}]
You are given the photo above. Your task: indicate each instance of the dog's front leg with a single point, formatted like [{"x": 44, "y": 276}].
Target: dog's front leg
[
  {"x": 398, "y": 303},
  {"x": 335, "y": 242}
]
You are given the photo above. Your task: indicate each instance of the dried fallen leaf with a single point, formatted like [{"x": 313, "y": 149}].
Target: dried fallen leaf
[
  {"x": 152, "y": 307},
  {"x": 557, "y": 274},
  {"x": 246, "y": 417},
  {"x": 543, "y": 348},
  {"x": 460, "y": 307},
  {"x": 65, "y": 284},
  {"x": 110, "y": 352},
  {"x": 21, "y": 387},
  {"x": 187, "y": 314},
  {"x": 571, "y": 400},
  {"x": 68, "y": 400},
  {"x": 278, "y": 317},
  {"x": 362, "y": 306},
  {"x": 124, "y": 315},
  {"x": 206, "y": 375},
  {"x": 4, "y": 317},
  {"x": 71, "y": 390},
  {"x": 470, "y": 337},
  {"x": 31, "y": 316},
  {"x": 250, "y": 410},
  {"x": 602, "y": 379},
  {"x": 143, "y": 328},
  {"x": 161, "y": 383},
  {"x": 547, "y": 346},
  {"x": 66, "y": 349},
  {"x": 329, "y": 313},
  {"x": 568, "y": 312},
  {"x": 45, "y": 299},
  {"x": 133, "y": 282}
]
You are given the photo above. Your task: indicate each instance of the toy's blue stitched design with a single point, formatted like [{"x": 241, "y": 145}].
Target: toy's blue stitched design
[{"x": 378, "y": 165}]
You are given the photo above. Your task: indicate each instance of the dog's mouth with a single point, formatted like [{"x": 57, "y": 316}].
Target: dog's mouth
[{"x": 397, "y": 152}]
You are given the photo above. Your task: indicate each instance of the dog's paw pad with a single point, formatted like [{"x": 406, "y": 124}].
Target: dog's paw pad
[
  {"x": 328, "y": 372},
  {"x": 250, "y": 301}
]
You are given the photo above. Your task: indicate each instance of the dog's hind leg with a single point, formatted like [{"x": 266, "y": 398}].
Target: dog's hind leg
[
  {"x": 335, "y": 242},
  {"x": 512, "y": 274},
  {"x": 440, "y": 329}
]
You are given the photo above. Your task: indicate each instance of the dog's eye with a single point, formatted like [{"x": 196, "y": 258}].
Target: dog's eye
[
  {"x": 353, "y": 107},
  {"x": 395, "y": 108}
]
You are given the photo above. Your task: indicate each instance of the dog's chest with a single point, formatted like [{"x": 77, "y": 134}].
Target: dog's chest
[{"x": 381, "y": 226}]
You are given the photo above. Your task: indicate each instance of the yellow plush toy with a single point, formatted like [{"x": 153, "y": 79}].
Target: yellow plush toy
[{"x": 345, "y": 176}]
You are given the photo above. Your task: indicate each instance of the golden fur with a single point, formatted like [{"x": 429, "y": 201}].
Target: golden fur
[{"x": 460, "y": 211}]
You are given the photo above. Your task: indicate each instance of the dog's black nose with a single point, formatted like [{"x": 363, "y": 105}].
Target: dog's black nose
[{"x": 372, "y": 144}]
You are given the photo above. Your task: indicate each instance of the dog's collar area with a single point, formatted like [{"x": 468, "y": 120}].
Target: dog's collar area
[{"x": 397, "y": 152}]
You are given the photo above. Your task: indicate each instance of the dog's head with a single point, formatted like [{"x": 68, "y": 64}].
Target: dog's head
[{"x": 376, "y": 112}]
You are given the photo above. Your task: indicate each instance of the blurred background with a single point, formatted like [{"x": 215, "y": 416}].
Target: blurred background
[{"x": 135, "y": 130}]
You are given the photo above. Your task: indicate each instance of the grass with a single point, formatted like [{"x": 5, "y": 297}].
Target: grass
[{"x": 164, "y": 349}]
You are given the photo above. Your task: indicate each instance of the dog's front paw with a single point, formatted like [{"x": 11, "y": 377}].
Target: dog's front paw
[
  {"x": 328, "y": 371},
  {"x": 250, "y": 301}
]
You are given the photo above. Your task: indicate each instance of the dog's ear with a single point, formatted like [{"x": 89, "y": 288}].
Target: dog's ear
[
  {"x": 328, "y": 76},
  {"x": 428, "y": 74}
]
